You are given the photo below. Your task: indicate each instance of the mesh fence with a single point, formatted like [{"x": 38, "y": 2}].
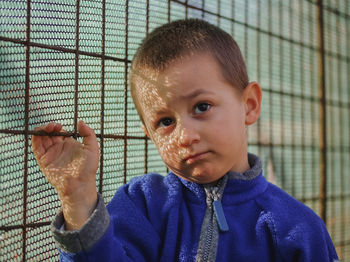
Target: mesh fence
[{"x": 68, "y": 60}]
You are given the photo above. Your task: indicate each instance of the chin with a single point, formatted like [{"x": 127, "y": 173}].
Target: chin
[
  {"x": 198, "y": 178},
  {"x": 198, "y": 175},
  {"x": 203, "y": 178}
]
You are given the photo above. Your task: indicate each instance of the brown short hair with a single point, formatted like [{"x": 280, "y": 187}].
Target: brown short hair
[{"x": 181, "y": 37}]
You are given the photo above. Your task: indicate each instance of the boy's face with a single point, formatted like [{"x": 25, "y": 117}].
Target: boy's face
[{"x": 196, "y": 120}]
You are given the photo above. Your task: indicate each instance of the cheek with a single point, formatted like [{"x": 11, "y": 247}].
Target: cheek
[
  {"x": 228, "y": 131},
  {"x": 167, "y": 148}
]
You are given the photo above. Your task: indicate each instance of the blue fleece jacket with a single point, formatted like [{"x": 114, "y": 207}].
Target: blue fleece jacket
[{"x": 157, "y": 218}]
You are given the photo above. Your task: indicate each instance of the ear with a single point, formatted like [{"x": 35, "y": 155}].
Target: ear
[
  {"x": 252, "y": 101},
  {"x": 144, "y": 128}
]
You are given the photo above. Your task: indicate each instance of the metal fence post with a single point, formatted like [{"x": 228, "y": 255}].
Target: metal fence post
[{"x": 322, "y": 113}]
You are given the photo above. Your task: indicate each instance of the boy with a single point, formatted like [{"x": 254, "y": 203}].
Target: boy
[{"x": 189, "y": 84}]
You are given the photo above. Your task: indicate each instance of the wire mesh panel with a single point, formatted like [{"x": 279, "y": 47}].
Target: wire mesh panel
[
  {"x": 68, "y": 60},
  {"x": 337, "y": 54}
]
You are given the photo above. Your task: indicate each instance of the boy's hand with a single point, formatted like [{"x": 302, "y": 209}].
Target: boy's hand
[{"x": 70, "y": 167}]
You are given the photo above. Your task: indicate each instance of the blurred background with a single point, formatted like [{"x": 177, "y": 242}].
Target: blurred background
[{"x": 63, "y": 60}]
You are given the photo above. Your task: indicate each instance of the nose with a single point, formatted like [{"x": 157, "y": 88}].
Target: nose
[{"x": 188, "y": 136}]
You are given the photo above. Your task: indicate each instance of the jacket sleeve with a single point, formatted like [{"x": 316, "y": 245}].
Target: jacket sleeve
[
  {"x": 308, "y": 242},
  {"x": 298, "y": 233},
  {"x": 119, "y": 233}
]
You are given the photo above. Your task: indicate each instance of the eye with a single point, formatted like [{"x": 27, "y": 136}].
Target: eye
[
  {"x": 166, "y": 121},
  {"x": 201, "y": 108}
]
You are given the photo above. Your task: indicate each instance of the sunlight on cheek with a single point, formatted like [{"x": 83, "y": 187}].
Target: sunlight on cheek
[{"x": 168, "y": 149}]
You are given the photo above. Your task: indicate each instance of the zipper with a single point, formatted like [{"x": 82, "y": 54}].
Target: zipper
[
  {"x": 208, "y": 238},
  {"x": 217, "y": 217},
  {"x": 220, "y": 216}
]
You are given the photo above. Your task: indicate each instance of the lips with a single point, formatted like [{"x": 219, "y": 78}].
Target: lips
[{"x": 195, "y": 157}]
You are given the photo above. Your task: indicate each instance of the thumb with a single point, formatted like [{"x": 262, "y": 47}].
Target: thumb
[{"x": 89, "y": 137}]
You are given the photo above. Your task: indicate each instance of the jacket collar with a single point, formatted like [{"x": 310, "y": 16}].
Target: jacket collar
[{"x": 237, "y": 187}]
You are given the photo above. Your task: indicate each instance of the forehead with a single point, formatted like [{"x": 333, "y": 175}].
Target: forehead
[
  {"x": 189, "y": 70},
  {"x": 156, "y": 88},
  {"x": 146, "y": 87}
]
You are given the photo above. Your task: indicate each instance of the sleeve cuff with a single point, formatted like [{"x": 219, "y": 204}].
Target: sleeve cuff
[{"x": 83, "y": 239}]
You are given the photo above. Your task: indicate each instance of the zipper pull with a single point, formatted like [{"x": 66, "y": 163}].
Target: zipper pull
[{"x": 220, "y": 216}]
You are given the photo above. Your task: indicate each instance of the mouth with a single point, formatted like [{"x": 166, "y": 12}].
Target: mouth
[{"x": 195, "y": 157}]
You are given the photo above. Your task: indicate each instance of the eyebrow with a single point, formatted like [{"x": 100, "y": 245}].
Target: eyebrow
[
  {"x": 195, "y": 93},
  {"x": 189, "y": 96}
]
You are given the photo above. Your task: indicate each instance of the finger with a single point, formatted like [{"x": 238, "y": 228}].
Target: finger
[
  {"x": 47, "y": 142},
  {"x": 37, "y": 146},
  {"x": 49, "y": 128},
  {"x": 51, "y": 154},
  {"x": 40, "y": 128},
  {"x": 89, "y": 137},
  {"x": 41, "y": 144},
  {"x": 57, "y": 128}
]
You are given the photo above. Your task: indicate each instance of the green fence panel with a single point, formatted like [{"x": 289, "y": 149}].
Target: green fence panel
[{"x": 67, "y": 60}]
